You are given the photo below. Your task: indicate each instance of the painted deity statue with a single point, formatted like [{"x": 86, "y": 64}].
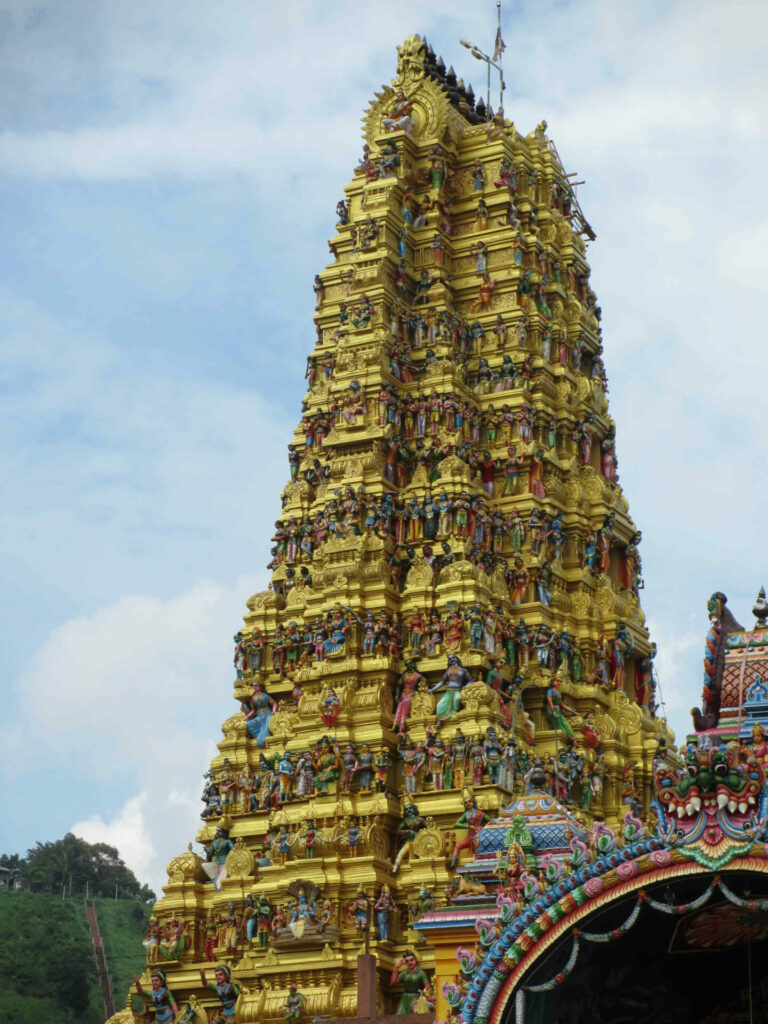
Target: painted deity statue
[
  {"x": 383, "y": 908},
  {"x": 455, "y": 678},
  {"x": 412, "y": 823},
  {"x": 217, "y": 851},
  {"x": 472, "y": 820},
  {"x": 399, "y": 118},
  {"x": 160, "y": 997},
  {"x": 225, "y": 990},
  {"x": 414, "y": 980},
  {"x": 258, "y": 715},
  {"x": 294, "y": 1004},
  {"x": 555, "y": 710},
  {"x": 409, "y": 683}
]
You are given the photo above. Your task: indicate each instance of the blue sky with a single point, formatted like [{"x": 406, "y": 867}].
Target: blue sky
[{"x": 167, "y": 187}]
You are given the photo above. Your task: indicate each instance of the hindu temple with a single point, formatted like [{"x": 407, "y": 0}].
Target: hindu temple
[{"x": 445, "y": 791}]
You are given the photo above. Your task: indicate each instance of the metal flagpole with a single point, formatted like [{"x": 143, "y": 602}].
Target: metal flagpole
[
  {"x": 498, "y": 52},
  {"x": 499, "y": 47}
]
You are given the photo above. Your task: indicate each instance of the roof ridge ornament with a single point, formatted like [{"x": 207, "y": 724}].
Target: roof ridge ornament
[
  {"x": 411, "y": 58},
  {"x": 760, "y": 610}
]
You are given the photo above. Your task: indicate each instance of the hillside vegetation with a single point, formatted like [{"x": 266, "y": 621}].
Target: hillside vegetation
[
  {"x": 48, "y": 973},
  {"x": 123, "y": 925}
]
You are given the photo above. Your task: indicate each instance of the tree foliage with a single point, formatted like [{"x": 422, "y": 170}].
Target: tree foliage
[{"x": 76, "y": 866}]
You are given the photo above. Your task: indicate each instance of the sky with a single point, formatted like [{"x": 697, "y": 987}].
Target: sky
[{"x": 168, "y": 183}]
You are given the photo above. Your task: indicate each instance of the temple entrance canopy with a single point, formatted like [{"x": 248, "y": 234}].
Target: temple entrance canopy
[
  {"x": 643, "y": 957},
  {"x": 607, "y": 929}
]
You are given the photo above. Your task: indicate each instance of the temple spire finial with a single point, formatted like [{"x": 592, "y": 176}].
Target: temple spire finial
[{"x": 760, "y": 609}]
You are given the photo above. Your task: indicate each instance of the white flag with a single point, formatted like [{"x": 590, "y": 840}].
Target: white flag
[{"x": 499, "y": 46}]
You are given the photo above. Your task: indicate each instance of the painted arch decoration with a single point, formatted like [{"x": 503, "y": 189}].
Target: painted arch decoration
[{"x": 710, "y": 822}]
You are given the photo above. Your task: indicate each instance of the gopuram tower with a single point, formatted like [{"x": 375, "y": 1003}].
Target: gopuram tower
[{"x": 452, "y": 649}]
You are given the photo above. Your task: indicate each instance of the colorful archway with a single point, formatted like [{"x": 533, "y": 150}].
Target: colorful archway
[
  {"x": 711, "y": 826},
  {"x": 634, "y": 899}
]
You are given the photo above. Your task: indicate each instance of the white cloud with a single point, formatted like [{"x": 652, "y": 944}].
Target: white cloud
[
  {"x": 679, "y": 691},
  {"x": 128, "y": 831},
  {"x": 129, "y": 461},
  {"x": 134, "y": 694},
  {"x": 740, "y": 258},
  {"x": 673, "y": 225},
  {"x": 198, "y": 148}
]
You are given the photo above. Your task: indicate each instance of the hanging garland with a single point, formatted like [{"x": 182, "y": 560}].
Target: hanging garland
[
  {"x": 560, "y": 977},
  {"x": 682, "y": 908},
  {"x": 672, "y": 909},
  {"x": 618, "y": 933},
  {"x": 738, "y": 901}
]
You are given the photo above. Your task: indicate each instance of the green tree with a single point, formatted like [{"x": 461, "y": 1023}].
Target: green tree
[
  {"x": 111, "y": 875},
  {"x": 51, "y": 866},
  {"x": 74, "y": 865}
]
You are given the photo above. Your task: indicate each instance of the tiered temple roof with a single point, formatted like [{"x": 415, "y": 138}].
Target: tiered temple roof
[
  {"x": 735, "y": 696},
  {"x": 453, "y": 624}
]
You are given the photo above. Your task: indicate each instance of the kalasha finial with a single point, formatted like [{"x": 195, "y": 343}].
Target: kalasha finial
[{"x": 760, "y": 610}]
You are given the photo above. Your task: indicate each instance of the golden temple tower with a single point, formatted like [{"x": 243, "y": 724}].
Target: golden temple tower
[{"x": 453, "y": 619}]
